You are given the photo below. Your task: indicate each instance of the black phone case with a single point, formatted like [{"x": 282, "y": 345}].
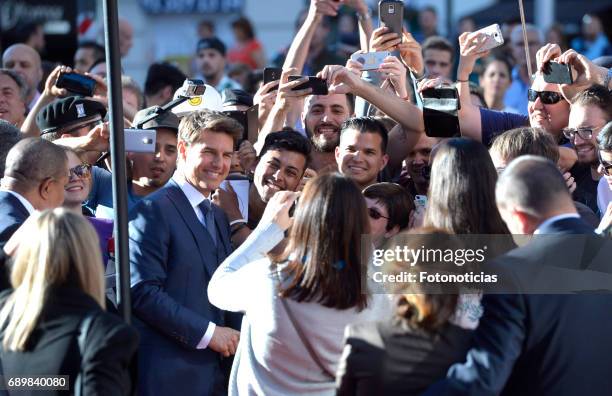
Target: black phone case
[
  {"x": 318, "y": 85},
  {"x": 440, "y": 107},
  {"x": 272, "y": 74},
  {"x": 76, "y": 83},
  {"x": 393, "y": 20},
  {"x": 558, "y": 73}
]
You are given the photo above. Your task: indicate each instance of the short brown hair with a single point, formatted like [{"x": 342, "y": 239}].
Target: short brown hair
[
  {"x": 396, "y": 199},
  {"x": 524, "y": 141},
  {"x": 194, "y": 124},
  {"x": 439, "y": 43},
  {"x": 595, "y": 95}
]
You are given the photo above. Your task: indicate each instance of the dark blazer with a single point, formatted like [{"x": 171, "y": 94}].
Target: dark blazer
[
  {"x": 109, "y": 356},
  {"x": 541, "y": 344},
  {"x": 172, "y": 259},
  {"x": 384, "y": 359},
  {"x": 12, "y": 215}
]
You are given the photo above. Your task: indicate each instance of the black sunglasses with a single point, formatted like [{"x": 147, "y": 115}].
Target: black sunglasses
[
  {"x": 82, "y": 171},
  {"x": 607, "y": 166},
  {"x": 547, "y": 97},
  {"x": 375, "y": 214}
]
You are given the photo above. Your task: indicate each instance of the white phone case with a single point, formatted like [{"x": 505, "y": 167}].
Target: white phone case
[
  {"x": 370, "y": 60},
  {"x": 496, "y": 38}
]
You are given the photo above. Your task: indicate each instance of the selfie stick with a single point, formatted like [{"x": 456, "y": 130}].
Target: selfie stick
[
  {"x": 190, "y": 89},
  {"x": 522, "y": 12}
]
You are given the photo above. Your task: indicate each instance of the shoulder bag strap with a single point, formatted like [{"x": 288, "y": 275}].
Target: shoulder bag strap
[
  {"x": 300, "y": 334},
  {"x": 81, "y": 340}
]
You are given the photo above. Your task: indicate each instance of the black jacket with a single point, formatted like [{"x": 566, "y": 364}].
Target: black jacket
[
  {"x": 543, "y": 344},
  {"x": 109, "y": 359},
  {"x": 384, "y": 359}
]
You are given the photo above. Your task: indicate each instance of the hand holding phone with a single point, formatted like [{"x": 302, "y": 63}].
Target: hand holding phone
[
  {"x": 318, "y": 85},
  {"x": 272, "y": 74},
  {"x": 391, "y": 15},
  {"x": 494, "y": 37},
  {"x": 77, "y": 83},
  {"x": 370, "y": 60}
]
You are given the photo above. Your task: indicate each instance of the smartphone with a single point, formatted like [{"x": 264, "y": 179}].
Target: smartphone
[
  {"x": 495, "y": 37},
  {"x": 440, "y": 112},
  {"x": 318, "y": 85},
  {"x": 391, "y": 15},
  {"x": 249, "y": 119},
  {"x": 558, "y": 73},
  {"x": 77, "y": 83},
  {"x": 420, "y": 202},
  {"x": 371, "y": 60},
  {"x": 272, "y": 74},
  {"x": 140, "y": 140}
]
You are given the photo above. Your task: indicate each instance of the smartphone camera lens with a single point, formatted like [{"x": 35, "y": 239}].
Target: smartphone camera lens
[
  {"x": 391, "y": 9},
  {"x": 361, "y": 60}
]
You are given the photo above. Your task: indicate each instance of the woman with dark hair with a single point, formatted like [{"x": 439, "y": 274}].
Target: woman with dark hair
[
  {"x": 247, "y": 50},
  {"x": 297, "y": 303},
  {"x": 495, "y": 80},
  {"x": 461, "y": 197},
  {"x": 414, "y": 346}
]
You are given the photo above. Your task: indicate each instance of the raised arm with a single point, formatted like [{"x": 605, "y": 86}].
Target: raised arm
[
  {"x": 298, "y": 51},
  {"x": 469, "y": 114},
  {"x": 49, "y": 94}
]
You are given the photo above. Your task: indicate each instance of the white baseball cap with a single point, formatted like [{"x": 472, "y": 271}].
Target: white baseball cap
[{"x": 210, "y": 100}]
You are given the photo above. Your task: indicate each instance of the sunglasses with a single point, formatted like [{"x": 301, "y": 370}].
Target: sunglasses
[
  {"x": 547, "y": 97},
  {"x": 375, "y": 214},
  {"x": 89, "y": 127},
  {"x": 82, "y": 171},
  {"x": 607, "y": 166},
  {"x": 584, "y": 133}
]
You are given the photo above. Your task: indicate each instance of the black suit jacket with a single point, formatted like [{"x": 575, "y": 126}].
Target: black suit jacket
[
  {"x": 109, "y": 359},
  {"x": 385, "y": 359},
  {"x": 12, "y": 215},
  {"x": 540, "y": 344}
]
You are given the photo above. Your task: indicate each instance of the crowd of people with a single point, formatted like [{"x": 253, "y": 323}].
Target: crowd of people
[{"x": 266, "y": 289}]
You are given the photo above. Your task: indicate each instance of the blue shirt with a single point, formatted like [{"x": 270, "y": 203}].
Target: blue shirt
[
  {"x": 495, "y": 122},
  {"x": 101, "y": 196},
  {"x": 516, "y": 95}
]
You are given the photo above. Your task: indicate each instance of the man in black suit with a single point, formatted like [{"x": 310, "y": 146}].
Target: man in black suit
[
  {"x": 34, "y": 179},
  {"x": 539, "y": 344}
]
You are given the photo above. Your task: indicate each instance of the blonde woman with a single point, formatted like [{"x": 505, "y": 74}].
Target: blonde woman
[{"x": 53, "y": 321}]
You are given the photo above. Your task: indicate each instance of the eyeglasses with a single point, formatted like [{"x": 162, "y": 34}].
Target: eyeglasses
[
  {"x": 547, "y": 97},
  {"x": 607, "y": 166},
  {"x": 375, "y": 214},
  {"x": 584, "y": 133},
  {"x": 82, "y": 171},
  {"x": 89, "y": 127}
]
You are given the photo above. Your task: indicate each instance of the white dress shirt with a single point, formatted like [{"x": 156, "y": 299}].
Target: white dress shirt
[{"x": 195, "y": 198}]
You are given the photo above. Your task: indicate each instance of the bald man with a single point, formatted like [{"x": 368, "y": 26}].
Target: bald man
[
  {"x": 26, "y": 62},
  {"x": 126, "y": 35}
]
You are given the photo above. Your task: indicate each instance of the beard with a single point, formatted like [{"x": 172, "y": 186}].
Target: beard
[{"x": 322, "y": 143}]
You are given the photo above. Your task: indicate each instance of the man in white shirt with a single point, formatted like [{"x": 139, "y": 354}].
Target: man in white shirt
[{"x": 26, "y": 62}]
